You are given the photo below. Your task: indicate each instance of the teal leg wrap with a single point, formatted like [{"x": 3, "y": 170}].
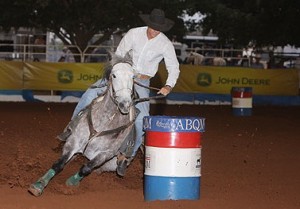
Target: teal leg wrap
[
  {"x": 48, "y": 176},
  {"x": 37, "y": 188},
  {"x": 74, "y": 180}
]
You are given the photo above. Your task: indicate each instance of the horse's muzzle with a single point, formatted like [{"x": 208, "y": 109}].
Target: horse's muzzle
[{"x": 124, "y": 107}]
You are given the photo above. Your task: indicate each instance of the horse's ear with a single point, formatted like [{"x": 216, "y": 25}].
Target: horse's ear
[{"x": 110, "y": 54}]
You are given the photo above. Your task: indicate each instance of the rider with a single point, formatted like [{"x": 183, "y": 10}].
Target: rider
[{"x": 149, "y": 46}]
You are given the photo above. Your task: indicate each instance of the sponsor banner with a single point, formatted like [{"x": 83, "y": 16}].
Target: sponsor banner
[
  {"x": 220, "y": 80},
  {"x": 11, "y": 75},
  {"x": 173, "y": 124},
  {"x": 61, "y": 76},
  {"x": 193, "y": 79}
]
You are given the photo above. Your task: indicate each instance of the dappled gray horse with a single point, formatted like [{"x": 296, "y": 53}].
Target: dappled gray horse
[{"x": 99, "y": 130}]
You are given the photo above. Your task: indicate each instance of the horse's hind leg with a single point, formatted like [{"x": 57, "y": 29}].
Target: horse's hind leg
[
  {"x": 84, "y": 171},
  {"x": 38, "y": 187}
]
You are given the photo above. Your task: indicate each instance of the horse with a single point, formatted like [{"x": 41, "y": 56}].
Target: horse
[
  {"x": 99, "y": 130},
  {"x": 199, "y": 59},
  {"x": 219, "y": 61}
]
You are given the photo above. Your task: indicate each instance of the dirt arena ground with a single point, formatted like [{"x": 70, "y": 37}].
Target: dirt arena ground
[{"x": 247, "y": 162}]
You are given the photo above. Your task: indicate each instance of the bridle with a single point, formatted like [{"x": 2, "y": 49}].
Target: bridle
[
  {"x": 109, "y": 90},
  {"x": 113, "y": 92}
]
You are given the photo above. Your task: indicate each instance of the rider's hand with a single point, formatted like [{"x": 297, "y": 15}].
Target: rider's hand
[{"x": 165, "y": 90}]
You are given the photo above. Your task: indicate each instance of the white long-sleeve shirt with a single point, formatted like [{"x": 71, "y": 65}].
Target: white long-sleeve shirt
[{"x": 147, "y": 54}]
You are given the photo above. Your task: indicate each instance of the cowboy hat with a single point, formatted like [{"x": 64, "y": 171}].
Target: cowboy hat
[{"x": 157, "y": 21}]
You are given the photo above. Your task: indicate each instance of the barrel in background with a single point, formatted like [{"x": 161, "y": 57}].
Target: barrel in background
[
  {"x": 172, "y": 157},
  {"x": 241, "y": 101}
]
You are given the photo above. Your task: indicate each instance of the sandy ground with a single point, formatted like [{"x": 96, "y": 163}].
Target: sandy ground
[{"x": 247, "y": 162}]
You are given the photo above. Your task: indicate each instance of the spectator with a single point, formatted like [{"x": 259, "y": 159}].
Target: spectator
[
  {"x": 39, "y": 49},
  {"x": 66, "y": 56}
]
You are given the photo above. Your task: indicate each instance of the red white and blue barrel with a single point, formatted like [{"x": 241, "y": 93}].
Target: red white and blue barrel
[
  {"x": 241, "y": 101},
  {"x": 172, "y": 157}
]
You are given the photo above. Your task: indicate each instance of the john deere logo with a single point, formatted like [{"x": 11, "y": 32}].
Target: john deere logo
[
  {"x": 65, "y": 76},
  {"x": 204, "y": 79}
]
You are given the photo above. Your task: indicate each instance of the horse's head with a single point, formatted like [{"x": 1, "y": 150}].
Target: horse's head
[{"x": 122, "y": 82}]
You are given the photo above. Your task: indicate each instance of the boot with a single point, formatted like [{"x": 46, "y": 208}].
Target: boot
[
  {"x": 64, "y": 135},
  {"x": 122, "y": 164}
]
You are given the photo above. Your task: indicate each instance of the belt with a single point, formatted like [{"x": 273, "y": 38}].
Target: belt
[{"x": 142, "y": 76}]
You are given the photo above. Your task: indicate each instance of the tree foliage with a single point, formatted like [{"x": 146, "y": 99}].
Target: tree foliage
[
  {"x": 266, "y": 22},
  {"x": 15, "y": 14},
  {"x": 75, "y": 22}
]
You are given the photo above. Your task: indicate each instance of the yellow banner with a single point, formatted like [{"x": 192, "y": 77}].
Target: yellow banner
[
  {"x": 61, "y": 76},
  {"x": 220, "y": 80},
  {"x": 11, "y": 75},
  {"x": 193, "y": 79}
]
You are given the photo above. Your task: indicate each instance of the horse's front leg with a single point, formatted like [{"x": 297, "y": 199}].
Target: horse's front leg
[
  {"x": 85, "y": 170},
  {"x": 38, "y": 187}
]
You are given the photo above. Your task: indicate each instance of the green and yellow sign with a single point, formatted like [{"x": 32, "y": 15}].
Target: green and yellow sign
[
  {"x": 220, "y": 80},
  {"x": 192, "y": 79}
]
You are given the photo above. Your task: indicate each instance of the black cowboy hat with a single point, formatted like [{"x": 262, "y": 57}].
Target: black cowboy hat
[{"x": 157, "y": 21}]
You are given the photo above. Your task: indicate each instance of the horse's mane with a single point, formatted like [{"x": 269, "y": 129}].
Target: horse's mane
[{"x": 115, "y": 59}]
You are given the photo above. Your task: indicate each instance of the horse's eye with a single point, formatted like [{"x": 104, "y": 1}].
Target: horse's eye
[{"x": 114, "y": 76}]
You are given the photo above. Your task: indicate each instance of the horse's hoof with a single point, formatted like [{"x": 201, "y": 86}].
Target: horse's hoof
[{"x": 36, "y": 189}]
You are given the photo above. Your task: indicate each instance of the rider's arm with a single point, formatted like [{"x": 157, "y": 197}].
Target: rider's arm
[
  {"x": 172, "y": 65},
  {"x": 125, "y": 44}
]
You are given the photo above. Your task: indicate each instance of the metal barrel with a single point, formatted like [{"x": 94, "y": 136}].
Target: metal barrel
[
  {"x": 241, "y": 101},
  {"x": 172, "y": 157}
]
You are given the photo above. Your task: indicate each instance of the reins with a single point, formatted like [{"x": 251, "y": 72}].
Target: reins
[
  {"x": 138, "y": 99},
  {"x": 99, "y": 86},
  {"x": 94, "y": 133},
  {"x": 148, "y": 98}
]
